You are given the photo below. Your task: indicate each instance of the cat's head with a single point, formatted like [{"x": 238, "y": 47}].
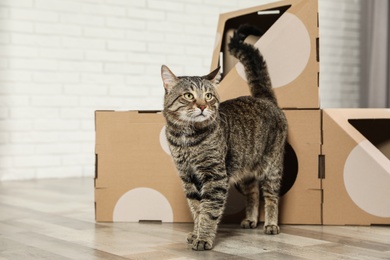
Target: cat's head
[{"x": 190, "y": 99}]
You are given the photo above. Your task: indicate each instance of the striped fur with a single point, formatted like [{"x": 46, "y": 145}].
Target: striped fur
[{"x": 238, "y": 141}]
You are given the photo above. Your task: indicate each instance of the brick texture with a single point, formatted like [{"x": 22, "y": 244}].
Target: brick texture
[{"x": 61, "y": 60}]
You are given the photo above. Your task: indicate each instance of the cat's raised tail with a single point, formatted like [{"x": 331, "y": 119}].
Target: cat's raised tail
[{"x": 254, "y": 63}]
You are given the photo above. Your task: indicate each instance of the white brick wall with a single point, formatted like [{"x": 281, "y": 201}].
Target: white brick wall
[{"x": 61, "y": 60}]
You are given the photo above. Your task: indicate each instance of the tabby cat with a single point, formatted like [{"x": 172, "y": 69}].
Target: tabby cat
[{"x": 239, "y": 141}]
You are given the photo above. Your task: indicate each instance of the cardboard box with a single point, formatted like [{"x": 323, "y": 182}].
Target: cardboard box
[
  {"x": 137, "y": 180},
  {"x": 357, "y": 166},
  {"x": 289, "y": 45},
  {"x": 135, "y": 177},
  {"x": 302, "y": 203}
]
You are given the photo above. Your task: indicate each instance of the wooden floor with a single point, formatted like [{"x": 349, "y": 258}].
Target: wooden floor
[{"x": 54, "y": 219}]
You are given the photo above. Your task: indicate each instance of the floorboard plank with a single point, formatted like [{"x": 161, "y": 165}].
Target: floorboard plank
[{"x": 54, "y": 219}]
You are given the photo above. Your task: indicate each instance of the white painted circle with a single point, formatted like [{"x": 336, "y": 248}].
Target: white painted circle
[
  {"x": 164, "y": 142},
  {"x": 142, "y": 204},
  {"x": 367, "y": 179},
  {"x": 286, "y": 48}
]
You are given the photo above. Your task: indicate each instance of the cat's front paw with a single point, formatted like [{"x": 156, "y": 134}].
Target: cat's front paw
[
  {"x": 201, "y": 245},
  {"x": 190, "y": 237},
  {"x": 248, "y": 223},
  {"x": 271, "y": 229}
]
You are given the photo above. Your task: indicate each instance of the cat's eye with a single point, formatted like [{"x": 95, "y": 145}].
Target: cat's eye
[
  {"x": 188, "y": 96},
  {"x": 209, "y": 96}
]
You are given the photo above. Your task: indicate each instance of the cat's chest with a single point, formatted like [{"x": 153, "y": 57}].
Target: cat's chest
[
  {"x": 182, "y": 157},
  {"x": 184, "y": 140},
  {"x": 180, "y": 150},
  {"x": 189, "y": 146},
  {"x": 184, "y": 151}
]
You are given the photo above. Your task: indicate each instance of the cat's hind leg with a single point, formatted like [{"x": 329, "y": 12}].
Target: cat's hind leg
[
  {"x": 250, "y": 189},
  {"x": 270, "y": 188}
]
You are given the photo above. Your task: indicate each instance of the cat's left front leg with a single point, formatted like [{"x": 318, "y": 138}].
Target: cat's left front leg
[{"x": 214, "y": 196}]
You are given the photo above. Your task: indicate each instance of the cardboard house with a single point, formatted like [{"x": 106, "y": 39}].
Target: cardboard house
[
  {"x": 337, "y": 161},
  {"x": 356, "y": 148},
  {"x": 135, "y": 176},
  {"x": 136, "y": 179},
  {"x": 290, "y": 45}
]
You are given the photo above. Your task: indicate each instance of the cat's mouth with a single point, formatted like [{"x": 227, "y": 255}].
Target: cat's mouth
[
  {"x": 200, "y": 117},
  {"x": 203, "y": 116},
  {"x": 196, "y": 116}
]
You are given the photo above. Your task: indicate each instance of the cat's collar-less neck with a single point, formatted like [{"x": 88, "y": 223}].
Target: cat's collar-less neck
[{"x": 191, "y": 129}]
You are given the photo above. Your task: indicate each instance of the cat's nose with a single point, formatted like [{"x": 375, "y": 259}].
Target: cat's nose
[{"x": 202, "y": 107}]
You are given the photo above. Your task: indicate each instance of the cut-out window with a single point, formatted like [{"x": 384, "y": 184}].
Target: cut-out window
[
  {"x": 290, "y": 170},
  {"x": 262, "y": 19},
  {"x": 377, "y": 131}
]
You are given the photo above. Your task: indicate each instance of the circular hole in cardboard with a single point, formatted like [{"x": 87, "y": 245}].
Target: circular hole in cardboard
[{"x": 290, "y": 170}]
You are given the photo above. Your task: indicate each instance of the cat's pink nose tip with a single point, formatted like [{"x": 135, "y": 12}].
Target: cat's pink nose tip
[{"x": 202, "y": 107}]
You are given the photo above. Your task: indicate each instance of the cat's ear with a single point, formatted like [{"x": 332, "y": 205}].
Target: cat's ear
[
  {"x": 169, "y": 79},
  {"x": 214, "y": 76}
]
